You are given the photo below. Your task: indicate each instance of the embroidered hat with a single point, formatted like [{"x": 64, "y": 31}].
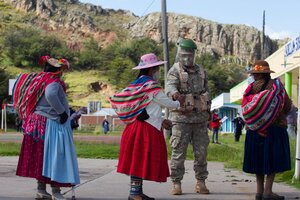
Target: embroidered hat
[
  {"x": 54, "y": 62},
  {"x": 260, "y": 67},
  {"x": 149, "y": 60}
]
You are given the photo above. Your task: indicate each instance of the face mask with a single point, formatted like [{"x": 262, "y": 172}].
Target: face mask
[
  {"x": 250, "y": 79},
  {"x": 156, "y": 76},
  {"x": 187, "y": 59}
]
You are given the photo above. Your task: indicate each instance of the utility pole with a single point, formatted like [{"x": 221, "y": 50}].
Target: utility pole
[
  {"x": 262, "y": 57},
  {"x": 164, "y": 24}
]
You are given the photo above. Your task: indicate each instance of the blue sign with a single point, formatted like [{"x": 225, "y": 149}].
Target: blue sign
[{"x": 292, "y": 47}]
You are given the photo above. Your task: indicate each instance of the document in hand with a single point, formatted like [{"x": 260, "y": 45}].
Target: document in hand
[{"x": 223, "y": 119}]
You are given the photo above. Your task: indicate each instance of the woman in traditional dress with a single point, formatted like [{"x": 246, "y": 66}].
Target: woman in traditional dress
[
  {"x": 267, "y": 152},
  {"x": 47, "y": 152},
  {"x": 143, "y": 153}
]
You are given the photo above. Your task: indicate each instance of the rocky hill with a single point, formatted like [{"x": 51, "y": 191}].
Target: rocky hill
[{"x": 74, "y": 21}]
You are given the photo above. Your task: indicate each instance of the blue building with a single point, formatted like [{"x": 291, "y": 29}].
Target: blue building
[{"x": 226, "y": 110}]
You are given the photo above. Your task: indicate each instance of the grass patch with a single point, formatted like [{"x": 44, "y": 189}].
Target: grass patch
[
  {"x": 97, "y": 131},
  {"x": 79, "y": 92},
  {"x": 93, "y": 150},
  {"x": 9, "y": 149}
]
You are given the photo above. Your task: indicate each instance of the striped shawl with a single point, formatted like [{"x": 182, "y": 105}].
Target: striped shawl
[
  {"x": 28, "y": 90},
  {"x": 260, "y": 110},
  {"x": 131, "y": 101}
]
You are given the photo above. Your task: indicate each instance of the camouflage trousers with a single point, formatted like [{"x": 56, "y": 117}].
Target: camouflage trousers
[{"x": 182, "y": 135}]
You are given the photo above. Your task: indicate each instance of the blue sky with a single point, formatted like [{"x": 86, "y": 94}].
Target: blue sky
[{"x": 282, "y": 17}]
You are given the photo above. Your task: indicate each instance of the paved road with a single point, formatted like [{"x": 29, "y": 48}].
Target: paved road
[{"x": 101, "y": 182}]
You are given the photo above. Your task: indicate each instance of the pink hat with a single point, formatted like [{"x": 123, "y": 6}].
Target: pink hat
[{"x": 149, "y": 60}]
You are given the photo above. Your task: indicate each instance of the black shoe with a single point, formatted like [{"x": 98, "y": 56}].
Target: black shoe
[
  {"x": 272, "y": 197},
  {"x": 258, "y": 196},
  {"x": 144, "y": 197}
]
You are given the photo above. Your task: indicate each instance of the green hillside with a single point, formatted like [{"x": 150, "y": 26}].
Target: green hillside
[{"x": 102, "y": 55}]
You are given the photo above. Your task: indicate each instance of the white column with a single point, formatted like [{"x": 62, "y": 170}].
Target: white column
[
  {"x": 297, "y": 159},
  {"x": 2, "y": 118},
  {"x": 79, "y": 123},
  {"x": 5, "y": 120}
]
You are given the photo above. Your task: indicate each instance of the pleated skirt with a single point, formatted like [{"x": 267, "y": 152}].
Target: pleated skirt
[
  {"x": 267, "y": 155},
  {"x": 143, "y": 152},
  {"x": 60, "y": 161}
]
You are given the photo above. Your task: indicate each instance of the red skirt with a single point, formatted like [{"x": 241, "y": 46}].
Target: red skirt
[{"x": 143, "y": 152}]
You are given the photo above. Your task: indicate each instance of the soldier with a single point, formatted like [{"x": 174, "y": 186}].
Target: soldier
[{"x": 188, "y": 79}]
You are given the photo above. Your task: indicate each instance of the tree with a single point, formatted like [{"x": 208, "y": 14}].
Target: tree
[
  {"x": 4, "y": 77},
  {"x": 121, "y": 57},
  {"x": 121, "y": 73},
  {"x": 24, "y": 46},
  {"x": 221, "y": 77},
  {"x": 90, "y": 57}
]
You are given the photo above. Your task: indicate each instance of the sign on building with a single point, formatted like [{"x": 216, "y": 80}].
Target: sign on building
[
  {"x": 292, "y": 47},
  {"x": 11, "y": 83}
]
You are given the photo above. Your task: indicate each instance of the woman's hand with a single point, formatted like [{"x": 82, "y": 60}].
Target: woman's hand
[
  {"x": 167, "y": 124},
  {"x": 179, "y": 97},
  {"x": 181, "y": 100}
]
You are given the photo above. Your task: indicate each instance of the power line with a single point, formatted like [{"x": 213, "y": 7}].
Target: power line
[
  {"x": 144, "y": 12},
  {"x": 148, "y": 7}
]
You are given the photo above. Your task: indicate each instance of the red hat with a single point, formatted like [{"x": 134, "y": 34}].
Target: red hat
[{"x": 54, "y": 62}]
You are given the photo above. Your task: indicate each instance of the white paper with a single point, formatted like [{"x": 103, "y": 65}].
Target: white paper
[{"x": 223, "y": 119}]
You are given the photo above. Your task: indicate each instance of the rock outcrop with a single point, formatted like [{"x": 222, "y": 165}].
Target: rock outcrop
[
  {"x": 75, "y": 20},
  {"x": 218, "y": 39}
]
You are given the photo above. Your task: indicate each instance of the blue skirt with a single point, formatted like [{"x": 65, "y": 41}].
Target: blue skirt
[
  {"x": 60, "y": 161},
  {"x": 267, "y": 155}
]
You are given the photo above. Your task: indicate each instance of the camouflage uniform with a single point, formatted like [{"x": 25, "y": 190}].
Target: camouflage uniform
[{"x": 191, "y": 121}]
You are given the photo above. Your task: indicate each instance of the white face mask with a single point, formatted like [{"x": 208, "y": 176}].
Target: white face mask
[
  {"x": 156, "y": 76},
  {"x": 250, "y": 79}
]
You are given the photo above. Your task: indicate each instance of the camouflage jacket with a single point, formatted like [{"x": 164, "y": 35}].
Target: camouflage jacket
[{"x": 193, "y": 84}]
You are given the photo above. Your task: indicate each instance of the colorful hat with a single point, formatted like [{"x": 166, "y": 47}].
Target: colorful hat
[
  {"x": 64, "y": 62},
  {"x": 260, "y": 67},
  {"x": 54, "y": 62},
  {"x": 149, "y": 60}
]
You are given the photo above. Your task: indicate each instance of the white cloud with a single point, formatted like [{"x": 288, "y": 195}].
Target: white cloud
[{"x": 278, "y": 35}]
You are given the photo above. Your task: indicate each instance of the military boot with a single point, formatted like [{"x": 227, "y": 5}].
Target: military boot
[
  {"x": 41, "y": 191},
  {"x": 176, "y": 188},
  {"x": 201, "y": 188},
  {"x": 56, "y": 194}
]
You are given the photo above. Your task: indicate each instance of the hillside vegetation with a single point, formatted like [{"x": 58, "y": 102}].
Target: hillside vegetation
[{"x": 106, "y": 67}]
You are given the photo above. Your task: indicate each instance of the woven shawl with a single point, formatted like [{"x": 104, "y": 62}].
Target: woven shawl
[
  {"x": 28, "y": 90},
  {"x": 131, "y": 101},
  {"x": 259, "y": 110}
]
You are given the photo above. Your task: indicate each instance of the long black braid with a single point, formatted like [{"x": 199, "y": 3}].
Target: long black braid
[
  {"x": 267, "y": 78},
  {"x": 49, "y": 68}
]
